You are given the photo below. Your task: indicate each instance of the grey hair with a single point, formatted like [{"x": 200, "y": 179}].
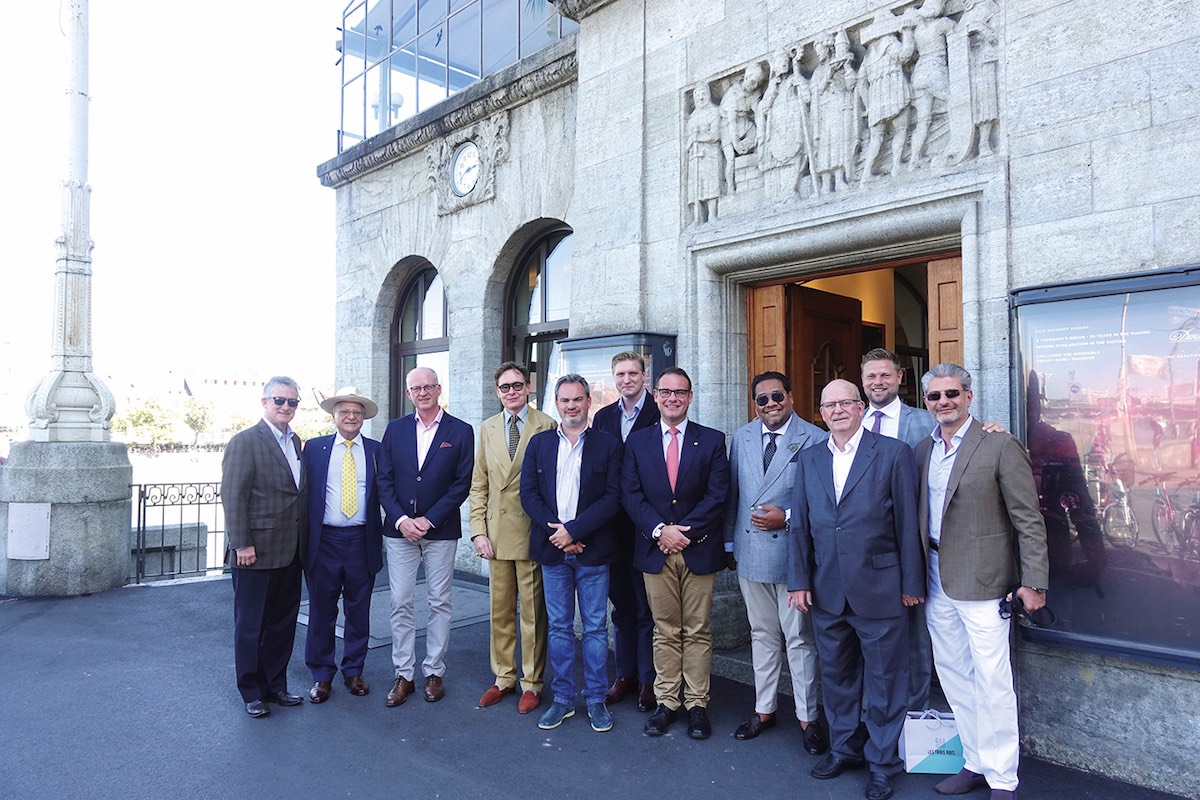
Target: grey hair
[
  {"x": 280, "y": 380},
  {"x": 573, "y": 377},
  {"x": 946, "y": 371}
]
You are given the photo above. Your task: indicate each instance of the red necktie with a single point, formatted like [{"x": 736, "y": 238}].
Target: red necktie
[{"x": 673, "y": 457}]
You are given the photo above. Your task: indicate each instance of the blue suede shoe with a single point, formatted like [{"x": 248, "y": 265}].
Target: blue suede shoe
[
  {"x": 601, "y": 718},
  {"x": 555, "y": 715}
]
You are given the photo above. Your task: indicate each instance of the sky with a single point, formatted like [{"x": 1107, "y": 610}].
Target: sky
[{"x": 214, "y": 239}]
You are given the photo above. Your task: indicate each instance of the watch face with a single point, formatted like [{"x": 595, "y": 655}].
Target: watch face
[{"x": 464, "y": 168}]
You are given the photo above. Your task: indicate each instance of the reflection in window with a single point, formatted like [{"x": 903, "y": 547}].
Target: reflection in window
[
  {"x": 539, "y": 307},
  {"x": 420, "y": 336},
  {"x": 428, "y": 50}
]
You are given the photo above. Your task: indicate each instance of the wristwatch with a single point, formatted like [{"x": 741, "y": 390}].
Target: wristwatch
[{"x": 657, "y": 533}]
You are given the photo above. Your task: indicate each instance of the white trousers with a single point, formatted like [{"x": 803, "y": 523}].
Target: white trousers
[
  {"x": 404, "y": 557},
  {"x": 776, "y": 629},
  {"x": 971, "y": 652}
]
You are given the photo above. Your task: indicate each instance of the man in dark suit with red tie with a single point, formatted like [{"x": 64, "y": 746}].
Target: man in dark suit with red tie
[
  {"x": 675, "y": 480},
  {"x": 262, "y": 489},
  {"x": 345, "y": 545},
  {"x": 633, "y": 626}
]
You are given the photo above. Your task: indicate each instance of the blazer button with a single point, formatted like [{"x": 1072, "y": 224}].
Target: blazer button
[
  {"x": 673, "y": 502},
  {"x": 418, "y": 479}
]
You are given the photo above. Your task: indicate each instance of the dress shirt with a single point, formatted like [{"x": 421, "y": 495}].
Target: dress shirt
[
  {"x": 666, "y": 438},
  {"x": 781, "y": 430},
  {"x": 333, "y": 484},
  {"x": 284, "y": 440},
  {"x": 842, "y": 461},
  {"x": 566, "y": 485},
  {"x": 941, "y": 462},
  {"x": 628, "y": 420},
  {"x": 425, "y": 436},
  {"x": 521, "y": 415},
  {"x": 889, "y": 426}
]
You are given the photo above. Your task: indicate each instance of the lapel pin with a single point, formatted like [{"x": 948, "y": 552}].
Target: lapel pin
[{"x": 793, "y": 447}]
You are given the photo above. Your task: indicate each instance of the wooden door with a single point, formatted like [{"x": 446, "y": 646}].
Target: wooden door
[
  {"x": 945, "y": 311},
  {"x": 768, "y": 332},
  {"x": 826, "y": 344}
]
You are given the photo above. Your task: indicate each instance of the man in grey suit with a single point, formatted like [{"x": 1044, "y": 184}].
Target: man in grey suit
[
  {"x": 979, "y": 508},
  {"x": 762, "y": 462},
  {"x": 855, "y": 562},
  {"x": 263, "y": 487}
]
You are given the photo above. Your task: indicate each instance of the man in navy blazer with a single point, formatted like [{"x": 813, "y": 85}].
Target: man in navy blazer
[
  {"x": 856, "y": 563},
  {"x": 424, "y": 476},
  {"x": 633, "y": 626},
  {"x": 571, "y": 488},
  {"x": 345, "y": 545},
  {"x": 675, "y": 479}
]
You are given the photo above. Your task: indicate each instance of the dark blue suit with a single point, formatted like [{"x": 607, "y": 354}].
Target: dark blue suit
[
  {"x": 857, "y": 557},
  {"x": 437, "y": 490},
  {"x": 339, "y": 562},
  {"x": 633, "y": 627}
]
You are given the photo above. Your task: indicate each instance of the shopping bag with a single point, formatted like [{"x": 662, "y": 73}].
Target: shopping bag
[{"x": 929, "y": 742}]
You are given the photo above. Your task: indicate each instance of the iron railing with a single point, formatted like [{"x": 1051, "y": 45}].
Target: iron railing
[{"x": 178, "y": 531}]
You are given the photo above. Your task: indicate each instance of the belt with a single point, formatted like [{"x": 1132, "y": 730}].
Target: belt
[
  {"x": 343, "y": 527},
  {"x": 933, "y": 545}
]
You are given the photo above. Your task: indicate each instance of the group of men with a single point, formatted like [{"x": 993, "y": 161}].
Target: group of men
[{"x": 845, "y": 544}]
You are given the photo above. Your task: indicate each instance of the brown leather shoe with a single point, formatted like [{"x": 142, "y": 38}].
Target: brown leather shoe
[
  {"x": 434, "y": 690},
  {"x": 493, "y": 695},
  {"x": 357, "y": 686},
  {"x": 621, "y": 687},
  {"x": 646, "y": 701},
  {"x": 319, "y": 692},
  {"x": 401, "y": 689},
  {"x": 965, "y": 781},
  {"x": 529, "y": 701}
]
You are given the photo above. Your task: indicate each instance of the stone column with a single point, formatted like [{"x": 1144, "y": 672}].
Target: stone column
[{"x": 69, "y": 461}]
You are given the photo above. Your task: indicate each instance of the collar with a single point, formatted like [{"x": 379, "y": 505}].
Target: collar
[
  {"x": 851, "y": 445},
  {"x": 781, "y": 430},
  {"x": 891, "y": 410},
  {"x": 436, "y": 420},
  {"x": 521, "y": 415},
  {"x": 957, "y": 438},
  {"x": 681, "y": 427}
]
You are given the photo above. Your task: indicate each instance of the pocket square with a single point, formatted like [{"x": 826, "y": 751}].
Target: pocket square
[{"x": 446, "y": 444}]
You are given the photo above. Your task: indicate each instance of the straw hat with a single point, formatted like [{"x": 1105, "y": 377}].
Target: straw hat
[{"x": 349, "y": 394}]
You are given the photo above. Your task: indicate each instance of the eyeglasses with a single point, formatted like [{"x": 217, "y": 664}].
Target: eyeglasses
[
  {"x": 428, "y": 388},
  {"x": 291, "y": 401},
  {"x": 349, "y": 413},
  {"x": 515, "y": 386},
  {"x": 933, "y": 397},
  {"x": 679, "y": 393},
  {"x": 773, "y": 397},
  {"x": 832, "y": 404}
]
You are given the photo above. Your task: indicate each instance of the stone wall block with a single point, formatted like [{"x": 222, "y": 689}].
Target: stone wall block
[
  {"x": 1148, "y": 166},
  {"x": 1052, "y": 185},
  {"x": 1084, "y": 247},
  {"x": 1174, "y": 83}
]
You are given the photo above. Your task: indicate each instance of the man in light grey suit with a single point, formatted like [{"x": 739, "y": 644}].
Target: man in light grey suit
[{"x": 762, "y": 461}]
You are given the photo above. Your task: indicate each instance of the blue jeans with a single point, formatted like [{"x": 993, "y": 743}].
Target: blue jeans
[{"x": 561, "y": 584}]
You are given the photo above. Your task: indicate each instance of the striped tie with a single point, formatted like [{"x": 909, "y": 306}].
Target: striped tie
[{"x": 349, "y": 483}]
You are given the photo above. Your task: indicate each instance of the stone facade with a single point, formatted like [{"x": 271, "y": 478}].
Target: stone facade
[{"x": 697, "y": 147}]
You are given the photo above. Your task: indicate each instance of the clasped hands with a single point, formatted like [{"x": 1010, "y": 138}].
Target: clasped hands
[
  {"x": 413, "y": 529},
  {"x": 672, "y": 539}
]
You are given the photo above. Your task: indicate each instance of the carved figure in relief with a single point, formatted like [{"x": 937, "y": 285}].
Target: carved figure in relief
[
  {"x": 703, "y": 155},
  {"x": 984, "y": 66},
  {"x": 784, "y": 140},
  {"x": 924, "y": 31},
  {"x": 834, "y": 117},
  {"x": 739, "y": 123},
  {"x": 886, "y": 95}
]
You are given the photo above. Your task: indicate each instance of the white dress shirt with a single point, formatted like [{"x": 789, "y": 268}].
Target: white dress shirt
[{"x": 842, "y": 460}]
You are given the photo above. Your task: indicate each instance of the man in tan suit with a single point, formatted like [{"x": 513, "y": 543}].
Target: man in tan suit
[
  {"x": 500, "y": 534},
  {"x": 979, "y": 509}
]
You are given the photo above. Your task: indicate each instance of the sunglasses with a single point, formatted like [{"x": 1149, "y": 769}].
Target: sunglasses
[
  {"x": 933, "y": 397},
  {"x": 773, "y": 397},
  {"x": 515, "y": 386},
  {"x": 291, "y": 401}
]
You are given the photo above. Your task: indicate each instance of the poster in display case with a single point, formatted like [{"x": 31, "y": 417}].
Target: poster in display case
[
  {"x": 591, "y": 357},
  {"x": 1108, "y": 384}
]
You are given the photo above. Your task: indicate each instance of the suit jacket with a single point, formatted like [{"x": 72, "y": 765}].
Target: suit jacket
[
  {"x": 866, "y": 549},
  {"x": 438, "y": 488},
  {"x": 316, "y": 464},
  {"x": 496, "y": 510},
  {"x": 263, "y": 505},
  {"x": 608, "y": 419},
  {"x": 762, "y": 555},
  {"x": 915, "y": 425},
  {"x": 701, "y": 489},
  {"x": 599, "y": 497},
  {"x": 993, "y": 534}
]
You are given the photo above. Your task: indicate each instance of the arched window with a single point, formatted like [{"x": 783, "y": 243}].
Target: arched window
[
  {"x": 419, "y": 336},
  {"x": 539, "y": 307}
]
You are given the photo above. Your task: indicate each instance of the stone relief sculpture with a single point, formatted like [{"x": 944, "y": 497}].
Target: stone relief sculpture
[
  {"x": 703, "y": 155},
  {"x": 843, "y": 107}
]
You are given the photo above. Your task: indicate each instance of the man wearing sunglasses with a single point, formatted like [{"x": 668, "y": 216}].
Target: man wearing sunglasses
[
  {"x": 762, "y": 472},
  {"x": 263, "y": 484},
  {"x": 984, "y": 532},
  {"x": 500, "y": 535}
]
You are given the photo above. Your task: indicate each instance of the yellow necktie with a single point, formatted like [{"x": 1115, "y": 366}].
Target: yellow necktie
[{"x": 349, "y": 482}]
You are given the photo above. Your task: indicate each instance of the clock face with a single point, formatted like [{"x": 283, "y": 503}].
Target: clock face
[{"x": 464, "y": 168}]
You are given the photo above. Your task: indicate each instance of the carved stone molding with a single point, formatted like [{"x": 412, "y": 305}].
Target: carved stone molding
[
  {"x": 493, "y": 95},
  {"x": 578, "y": 9},
  {"x": 491, "y": 137}
]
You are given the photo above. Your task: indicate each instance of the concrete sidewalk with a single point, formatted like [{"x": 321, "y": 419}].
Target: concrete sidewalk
[{"x": 130, "y": 694}]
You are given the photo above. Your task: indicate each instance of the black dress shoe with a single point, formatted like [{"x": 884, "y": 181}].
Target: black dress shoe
[
  {"x": 646, "y": 698},
  {"x": 815, "y": 741},
  {"x": 284, "y": 698},
  {"x": 659, "y": 721},
  {"x": 879, "y": 787},
  {"x": 258, "y": 709},
  {"x": 832, "y": 766},
  {"x": 698, "y": 725},
  {"x": 753, "y": 727},
  {"x": 319, "y": 692}
]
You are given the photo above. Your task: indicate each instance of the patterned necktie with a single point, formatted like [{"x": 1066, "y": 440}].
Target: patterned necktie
[
  {"x": 769, "y": 451},
  {"x": 349, "y": 482},
  {"x": 673, "y": 457},
  {"x": 878, "y": 421},
  {"x": 514, "y": 437}
]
